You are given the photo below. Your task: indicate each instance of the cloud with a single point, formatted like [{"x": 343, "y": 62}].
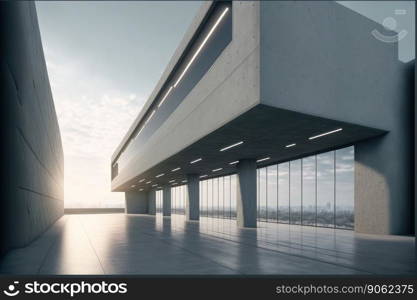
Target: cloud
[{"x": 93, "y": 114}]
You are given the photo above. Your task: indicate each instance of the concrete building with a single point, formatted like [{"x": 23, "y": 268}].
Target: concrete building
[
  {"x": 252, "y": 86},
  {"x": 32, "y": 168}
]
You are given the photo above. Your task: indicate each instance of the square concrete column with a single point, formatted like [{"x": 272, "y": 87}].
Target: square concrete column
[
  {"x": 246, "y": 193},
  {"x": 152, "y": 202},
  {"x": 166, "y": 201},
  {"x": 192, "y": 202},
  {"x": 136, "y": 202}
]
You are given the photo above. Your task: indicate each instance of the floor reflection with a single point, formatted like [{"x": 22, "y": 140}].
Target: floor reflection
[{"x": 143, "y": 244}]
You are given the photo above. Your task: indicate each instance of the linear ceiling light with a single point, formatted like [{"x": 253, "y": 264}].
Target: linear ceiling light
[
  {"x": 166, "y": 95},
  {"x": 148, "y": 182},
  {"x": 174, "y": 183},
  {"x": 231, "y": 146},
  {"x": 141, "y": 190},
  {"x": 196, "y": 160},
  {"x": 233, "y": 162},
  {"x": 202, "y": 176},
  {"x": 142, "y": 180},
  {"x": 176, "y": 169},
  {"x": 216, "y": 170},
  {"x": 326, "y": 133},
  {"x": 201, "y": 46},
  {"x": 173, "y": 180},
  {"x": 290, "y": 145},
  {"x": 133, "y": 185},
  {"x": 154, "y": 185},
  {"x": 159, "y": 175},
  {"x": 151, "y": 115},
  {"x": 184, "y": 181},
  {"x": 263, "y": 159}
]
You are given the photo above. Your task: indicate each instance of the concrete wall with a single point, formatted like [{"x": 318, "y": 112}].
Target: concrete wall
[
  {"x": 136, "y": 202},
  {"x": 32, "y": 167},
  {"x": 321, "y": 59},
  {"x": 228, "y": 89}
]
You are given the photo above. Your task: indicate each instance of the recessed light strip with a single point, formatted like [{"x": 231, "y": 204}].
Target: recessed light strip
[
  {"x": 290, "y": 145},
  {"x": 263, "y": 159},
  {"x": 160, "y": 175},
  {"x": 231, "y": 146},
  {"x": 196, "y": 160},
  {"x": 176, "y": 169},
  {"x": 201, "y": 46},
  {"x": 233, "y": 162},
  {"x": 166, "y": 95},
  {"x": 216, "y": 170},
  {"x": 326, "y": 133},
  {"x": 147, "y": 120},
  {"x": 203, "y": 176}
]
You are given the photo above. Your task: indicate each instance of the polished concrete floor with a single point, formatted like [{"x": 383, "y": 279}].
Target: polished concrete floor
[{"x": 141, "y": 244}]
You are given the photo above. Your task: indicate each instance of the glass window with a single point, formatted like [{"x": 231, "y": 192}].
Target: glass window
[
  {"x": 173, "y": 200},
  {"x": 227, "y": 197},
  {"x": 272, "y": 193},
  {"x": 258, "y": 197},
  {"x": 295, "y": 192},
  {"x": 210, "y": 197},
  {"x": 309, "y": 191},
  {"x": 183, "y": 191},
  {"x": 215, "y": 198},
  {"x": 344, "y": 199},
  {"x": 221, "y": 197},
  {"x": 203, "y": 198},
  {"x": 325, "y": 189},
  {"x": 283, "y": 193},
  {"x": 233, "y": 189},
  {"x": 206, "y": 201},
  {"x": 262, "y": 194}
]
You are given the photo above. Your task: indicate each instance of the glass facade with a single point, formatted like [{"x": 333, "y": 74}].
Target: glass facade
[
  {"x": 178, "y": 196},
  {"x": 316, "y": 190},
  {"x": 218, "y": 197},
  {"x": 158, "y": 199}
]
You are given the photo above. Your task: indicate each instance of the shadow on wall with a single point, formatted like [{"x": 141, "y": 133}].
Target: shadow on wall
[
  {"x": 32, "y": 164},
  {"x": 384, "y": 172}
]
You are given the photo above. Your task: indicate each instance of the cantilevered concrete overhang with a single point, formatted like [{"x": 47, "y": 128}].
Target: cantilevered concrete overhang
[
  {"x": 291, "y": 70},
  {"x": 266, "y": 132}
]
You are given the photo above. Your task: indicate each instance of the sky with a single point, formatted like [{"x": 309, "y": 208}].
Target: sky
[{"x": 105, "y": 58}]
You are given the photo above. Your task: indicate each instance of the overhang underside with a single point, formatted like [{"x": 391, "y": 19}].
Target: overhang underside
[{"x": 265, "y": 131}]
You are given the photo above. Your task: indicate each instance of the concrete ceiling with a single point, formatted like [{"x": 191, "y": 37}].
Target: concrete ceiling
[{"x": 265, "y": 132}]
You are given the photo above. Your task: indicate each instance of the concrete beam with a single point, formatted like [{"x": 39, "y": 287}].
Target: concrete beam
[
  {"x": 136, "y": 202},
  {"x": 192, "y": 202},
  {"x": 166, "y": 201},
  {"x": 246, "y": 193}
]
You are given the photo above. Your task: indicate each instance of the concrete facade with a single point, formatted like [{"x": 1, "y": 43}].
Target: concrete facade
[
  {"x": 166, "y": 201},
  {"x": 136, "y": 202},
  {"x": 151, "y": 202},
  {"x": 192, "y": 200},
  {"x": 267, "y": 90},
  {"x": 246, "y": 193},
  {"x": 32, "y": 156},
  {"x": 346, "y": 75}
]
